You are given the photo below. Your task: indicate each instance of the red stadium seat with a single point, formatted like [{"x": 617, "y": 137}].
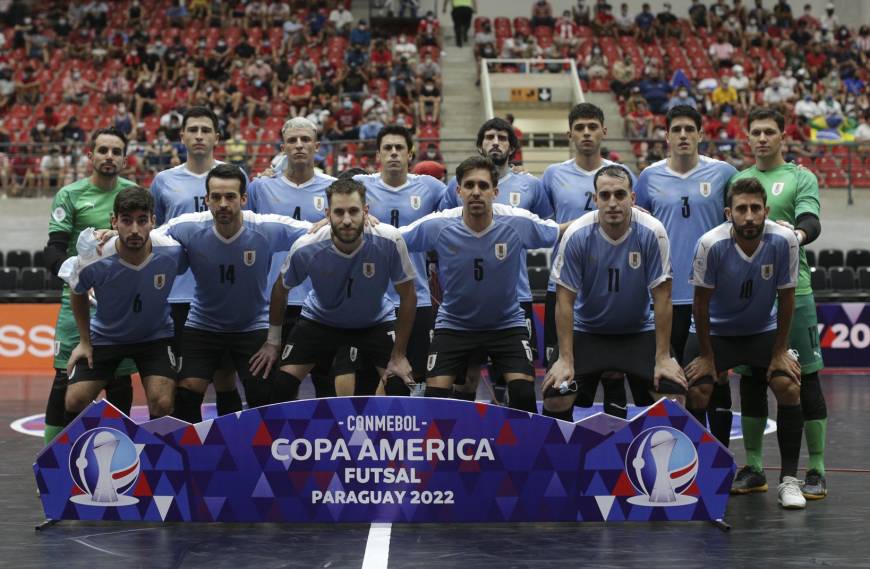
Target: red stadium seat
[
  {"x": 837, "y": 180},
  {"x": 828, "y": 163}
]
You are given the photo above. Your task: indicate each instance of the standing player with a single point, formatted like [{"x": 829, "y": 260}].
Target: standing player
[
  {"x": 181, "y": 190},
  {"x": 350, "y": 267},
  {"x": 230, "y": 252},
  {"x": 608, "y": 265},
  {"x": 479, "y": 247},
  {"x": 570, "y": 190},
  {"x": 497, "y": 141},
  {"x": 686, "y": 192},
  {"x": 298, "y": 191},
  {"x": 740, "y": 269},
  {"x": 131, "y": 282},
  {"x": 793, "y": 197},
  {"x": 85, "y": 203},
  {"x": 396, "y": 197}
]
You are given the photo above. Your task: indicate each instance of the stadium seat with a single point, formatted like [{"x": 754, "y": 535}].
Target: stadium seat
[
  {"x": 8, "y": 281},
  {"x": 1, "y": 258},
  {"x": 538, "y": 279},
  {"x": 811, "y": 257},
  {"x": 18, "y": 258},
  {"x": 818, "y": 278},
  {"x": 536, "y": 259},
  {"x": 831, "y": 258},
  {"x": 39, "y": 258},
  {"x": 33, "y": 279},
  {"x": 857, "y": 258},
  {"x": 842, "y": 278},
  {"x": 864, "y": 278}
]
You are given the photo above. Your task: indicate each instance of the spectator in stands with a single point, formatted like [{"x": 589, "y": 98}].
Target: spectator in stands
[
  {"x": 145, "y": 97},
  {"x": 71, "y": 132},
  {"x": 802, "y": 35},
  {"x": 639, "y": 127},
  {"x": 645, "y": 22},
  {"x": 797, "y": 139},
  {"x": 24, "y": 173},
  {"x": 595, "y": 64},
  {"x": 829, "y": 22},
  {"x": 7, "y": 89},
  {"x": 177, "y": 14},
  {"x": 429, "y": 25},
  {"x": 774, "y": 94},
  {"x": 381, "y": 59},
  {"x": 831, "y": 84},
  {"x": 624, "y": 21},
  {"x": 623, "y": 73},
  {"x": 682, "y": 97},
  {"x": 429, "y": 102},
  {"x": 698, "y": 15},
  {"x": 27, "y": 89},
  {"x": 461, "y": 12},
  {"x": 667, "y": 24},
  {"x": 261, "y": 70},
  {"x": 656, "y": 91},
  {"x": 566, "y": 32},
  {"x": 348, "y": 118},
  {"x": 431, "y": 154},
  {"x": 542, "y": 14},
  {"x": 428, "y": 70},
  {"x": 237, "y": 150},
  {"x": 278, "y": 13},
  {"x": 255, "y": 15},
  {"x": 862, "y": 133},
  {"x": 96, "y": 15},
  {"x": 782, "y": 13},
  {"x": 52, "y": 170},
  {"x": 341, "y": 18},
  {"x": 353, "y": 82},
  {"x": 604, "y": 24},
  {"x": 40, "y": 133},
  {"x": 361, "y": 35},
  {"x": 402, "y": 83},
  {"x": 725, "y": 97},
  {"x": 6, "y": 173},
  {"x": 486, "y": 36},
  {"x": 299, "y": 97},
  {"x": 832, "y": 110},
  {"x": 355, "y": 56},
  {"x": 807, "y": 107},
  {"x": 862, "y": 44},
  {"x": 406, "y": 49},
  {"x": 580, "y": 13},
  {"x": 372, "y": 126},
  {"x": 244, "y": 50},
  {"x": 740, "y": 83},
  {"x": 722, "y": 52},
  {"x": 256, "y": 95},
  {"x": 123, "y": 120},
  {"x": 160, "y": 154},
  {"x": 115, "y": 88}
]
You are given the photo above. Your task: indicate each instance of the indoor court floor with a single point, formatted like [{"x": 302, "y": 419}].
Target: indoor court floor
[{"x": 830, "y": 533}]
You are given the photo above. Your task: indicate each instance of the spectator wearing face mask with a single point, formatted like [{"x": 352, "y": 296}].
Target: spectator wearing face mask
[
  {"x": 682, "y": 97},
  {"x": 595, "y": 64}
]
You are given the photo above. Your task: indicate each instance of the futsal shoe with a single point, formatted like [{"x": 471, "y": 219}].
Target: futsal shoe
[
  {"x": 748, "y": 481},
  {"x": 790, "y": 496},
  {"x": 815, "y": 487}
]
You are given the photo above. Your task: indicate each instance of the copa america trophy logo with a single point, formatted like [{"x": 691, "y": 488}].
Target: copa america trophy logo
[
  {"x": 661, "y": 464},
  {"x": 104, "y": 464}
]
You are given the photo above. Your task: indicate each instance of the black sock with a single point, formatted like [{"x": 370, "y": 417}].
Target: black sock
[
  {"x": 69, "y": 417},
  {"x": 228, "y": 401},
  {"x": 188, "y": 405},
  {"x": 395, "y": 386},
  {"x": 465, "y": 395},
  {"x": 719, "y": 413},
  {"x": 258, "y": 391},
  {"x": 367, "y": 380},
  {"x": 55, "y": 407},
  {"x": 699, "y": 414},
  {"x": 119, "y": 392},
  {"x": 441, "y": 392},
  {"x": 566, "y": 415},
  {"x": 324, "y": 383},
  {"x": 521, "y": 395},
  {"x": 285, "y": 387},
  {"x": 789, "y": 431}
]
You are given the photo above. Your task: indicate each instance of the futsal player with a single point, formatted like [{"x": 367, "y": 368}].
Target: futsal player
[
  {"x": 571, "y": 193},
  {"x": 84, "y": 203},
  {"x": 686, "y": 192},
  {"x": 480, "y": 247},
  {"x": 230, "y": 253},
  {"x": 793, "y": 197},
  {"x": 297, "y": 191},
  {"x": 745, "y": 272},
  {"x": 181, "y": 190},
  {"x": 131, "y": 281},
  {"x": 497, "y": 140},
  {"x": 609, "y": 263},
  {"x": 350, "y": 265}
]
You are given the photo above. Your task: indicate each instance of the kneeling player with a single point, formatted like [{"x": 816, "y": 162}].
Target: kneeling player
[
  {"x": 740, "y": 269},
  {"x": 350, "y": 266},
  {"x": 131, "y": 281},
  {"x": 613, "y": 258}
]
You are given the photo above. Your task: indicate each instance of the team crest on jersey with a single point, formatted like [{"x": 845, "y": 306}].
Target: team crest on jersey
[
  {"x": 706, "y": 189},
  {"x": 416, "y": 202},
  {"x": 430, "y": 361},
  {"x": 634, "y": 259},
  {"x": 352, "y": 354},
  {"x": 319, "y": 202},
  {"x": 171, "y": 355},
  {"x": 515, "y": 198},
  {"x": 159, "y": 281},
  {"x": 250, "y": 257},
  {"x": 285, "y": 353},
  {"x": 500, "y": 251},
  {"x": 777, "y": 188},
  {"x": 368, "y": 270},
  {"x": 766, "y": 272}
]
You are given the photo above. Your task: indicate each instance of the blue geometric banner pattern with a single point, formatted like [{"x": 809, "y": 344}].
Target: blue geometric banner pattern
[{"x": 385, "y": 459}]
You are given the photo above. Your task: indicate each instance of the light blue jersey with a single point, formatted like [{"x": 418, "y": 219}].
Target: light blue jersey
[
  {"x": 349, "y": 290},
  {"x": 232, "y": 293},
  {"x": 571, "y": 192},
  {"x": 178, "y": 191},
  {"x": 480, "y": 271},
  {"x": 516, "y": 190},
  {"x": 746, "y": 287},
  {"x": 612, "y": 279},
  {"x": 306, "y": 201},
  {"x": 418, "y": 197},
  {"x": 132, "y": 302},
  {"x": 688, "y": 205}
]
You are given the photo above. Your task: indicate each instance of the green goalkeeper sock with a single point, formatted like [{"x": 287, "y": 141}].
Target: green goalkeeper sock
[
  {"x": 753, "y": 433},
  {"x": 815, "y": 434}
]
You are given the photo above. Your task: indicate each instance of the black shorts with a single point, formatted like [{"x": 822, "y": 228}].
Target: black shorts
[
  {"x": 551, "y": 340},
  {"x": 680, "y": 323},
  {"x": 508, "y": 349},
  {"x": 291, "y": 317},
  {"x": 204, "y": 352},
  {"x": 179, "y": 312},
  {"x": 311, "y": 342},
  {"x": 732, "y": 351},
  {"x": 152, "y": 358},
  {"x": 632, "y": 354},
  {"x": 480, "y": 358}
]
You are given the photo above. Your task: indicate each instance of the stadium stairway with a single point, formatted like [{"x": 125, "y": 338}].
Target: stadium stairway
[
  {"x": 462, "y": 110},
  {"x": 614, "y": 123}
]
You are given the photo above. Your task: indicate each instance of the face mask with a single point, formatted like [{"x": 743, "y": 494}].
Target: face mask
[{"x": 683, "y": 94}]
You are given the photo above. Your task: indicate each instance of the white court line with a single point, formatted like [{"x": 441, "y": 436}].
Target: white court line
[{"x": 377, "y": 554}]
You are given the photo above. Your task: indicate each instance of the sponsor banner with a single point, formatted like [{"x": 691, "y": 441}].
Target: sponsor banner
[
  {"x": 385, "y": 459},
  {"x": 27, "y": 336},
  {"x": 844, "y": 334}
]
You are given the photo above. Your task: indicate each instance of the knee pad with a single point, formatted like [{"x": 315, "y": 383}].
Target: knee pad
[
  {"x": 188, "y": 405},
  {"x": 566, "y": 415},
  {"x": 753, "y": 396},
  {"x": 441, "y": 392},
  {"x": 258, "y": 392},
  {"x": 285, "y": 387},
  {"x": 812, "y": 398},
  {"x": 395, "y": 386},
  {"x": 521, "y": 395},
  {"x": 55, "y": 407}
]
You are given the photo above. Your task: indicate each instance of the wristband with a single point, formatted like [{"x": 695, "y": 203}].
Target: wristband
[{"x": 274, "y": 336}]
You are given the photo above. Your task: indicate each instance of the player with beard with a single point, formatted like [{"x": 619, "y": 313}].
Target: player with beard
[
  {"x": 181, "y": 190},
  {"x": 131, "y": 281},
  {"x": 85, "y": 203}
]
